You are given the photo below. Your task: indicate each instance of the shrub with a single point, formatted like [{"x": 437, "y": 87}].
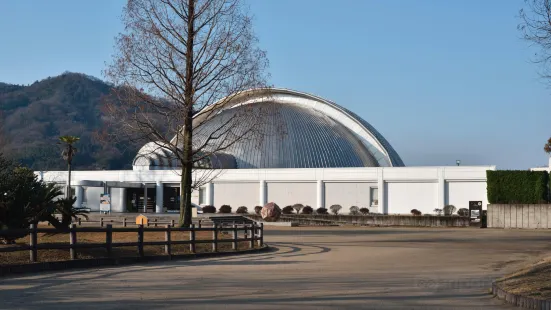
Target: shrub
[
  {"x": 449, "y": 210},
  {"x": 321, "y": 211},
  {"x": 438, "y": 211},
  {"x": 354, "y": 210},
  {"x": 257, "y": 210},
  {"x": 224, "y": 209},
  {"x": 364, "y": 211},
  {"x": 209, "y": 209},
  {"x": 416, "y": 212},
  {"x": 287, "y": 210},
  {"x": 242, "y": 210},
  {"x": 463, "y": 212},
  {"x": 307, "y": 210},
  {"x": 335, "y": 209},
  {"x": 298, "y": 207},
  {"x": 516, "y": 186}
]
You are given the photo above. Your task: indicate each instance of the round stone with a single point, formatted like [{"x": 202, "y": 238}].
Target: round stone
[{"x": 270, "y": 212}]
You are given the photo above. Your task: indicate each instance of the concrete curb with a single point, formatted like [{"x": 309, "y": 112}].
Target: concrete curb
[
  {"x": 519, "y": 300},
  {"x": 105, "y": 262}
]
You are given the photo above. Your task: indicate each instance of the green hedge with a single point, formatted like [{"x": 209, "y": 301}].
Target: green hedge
[{"x": 511, "y": 186}]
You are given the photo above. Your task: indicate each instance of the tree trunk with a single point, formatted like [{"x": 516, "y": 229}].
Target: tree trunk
[
  {"x": 68, "y": 191},
  {"x": 187, "y": 164}
]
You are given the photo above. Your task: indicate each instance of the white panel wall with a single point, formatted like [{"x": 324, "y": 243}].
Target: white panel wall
[
  {"x": 347, "y": 194},
  {"x": 402, "y": 197},
  {"x": 236, "y": 195},
  {"x": 289, "y": 193},
  {"x": 460, "y": 193}
]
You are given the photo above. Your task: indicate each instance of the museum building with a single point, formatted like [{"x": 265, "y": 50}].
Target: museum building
[{"x": 312, "y": 152}]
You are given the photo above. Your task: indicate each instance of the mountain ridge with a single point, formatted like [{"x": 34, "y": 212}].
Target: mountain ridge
[{"x": 34, "y": 116}]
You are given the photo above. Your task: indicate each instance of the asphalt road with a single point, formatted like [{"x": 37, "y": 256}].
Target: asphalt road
[{"x": 310, "y": 268}]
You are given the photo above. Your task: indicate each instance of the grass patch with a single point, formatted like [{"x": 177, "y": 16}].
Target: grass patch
[{"x": 533, "y": 281}]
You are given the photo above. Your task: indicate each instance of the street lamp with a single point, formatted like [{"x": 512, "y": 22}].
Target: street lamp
[{"x": 458, "y": 162}]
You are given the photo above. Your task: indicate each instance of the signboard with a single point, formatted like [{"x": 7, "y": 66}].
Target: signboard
[
  {"x": 105, "y": 203},
  {"x": 475, "y": 211}
]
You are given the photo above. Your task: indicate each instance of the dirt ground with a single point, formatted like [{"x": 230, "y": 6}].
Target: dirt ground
[
  {"x": 22, "y": 257},
  {"x": 309, "y": 268}
]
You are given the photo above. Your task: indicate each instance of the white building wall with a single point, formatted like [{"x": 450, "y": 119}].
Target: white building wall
[
  {"x": 236, "y": 195},
  {"x": 400, "y": 189},
  {"x": 289, "y": 193},
  {"x": 459, "y": 193},
  {"x": 402, "y": 197},
  {"x": 347, "y": 194}
]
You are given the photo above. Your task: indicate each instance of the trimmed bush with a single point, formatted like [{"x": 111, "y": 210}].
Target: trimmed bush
[
  {"x": 307, "y": 210},
  {"x": 298, "y": 207},
  {"x": 364, "y": 211},
  {"x": 415, "y": 212},
  {"x": 354, "y": 210},
  {"x": 257, "y": 210},
  {"x": 209, "y": 209},
  {"x": 449, "y": 210},
  {"x": 287, "y": 210},
  {"x": 335, "y": 209},
  {"x": 321, "y": 211},
  {"x": 224, "y": 209},
  {"x": 517, "y": 186},
  {"x": 242, "y": 210},
  {"x": 463, "y": 212}
]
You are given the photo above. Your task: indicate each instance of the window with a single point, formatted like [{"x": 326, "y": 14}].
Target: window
[
  {"x": 202, "y": 195},
  {"x": 374, "y": 197}
]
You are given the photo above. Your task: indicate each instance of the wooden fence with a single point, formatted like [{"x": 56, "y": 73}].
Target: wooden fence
[{"x": 252, "y": 234}]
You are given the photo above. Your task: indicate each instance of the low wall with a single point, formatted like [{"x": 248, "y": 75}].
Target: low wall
[
  {"x": 536, "y": 216},
  {"x": 375, "y": 220}
]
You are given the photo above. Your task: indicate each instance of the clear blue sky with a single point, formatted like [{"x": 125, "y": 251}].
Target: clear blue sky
[{"x": 441, "y": 80}]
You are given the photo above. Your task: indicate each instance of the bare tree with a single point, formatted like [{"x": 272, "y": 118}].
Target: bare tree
[
  {"x": 178, "y": 64},
  {"x": 536, "y": 28}
]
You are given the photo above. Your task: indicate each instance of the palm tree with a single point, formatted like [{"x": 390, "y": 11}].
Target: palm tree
[{"x": 68, "y": 153}]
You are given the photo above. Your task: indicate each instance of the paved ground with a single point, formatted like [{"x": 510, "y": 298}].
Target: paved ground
[{"x": 311, "y": 268}]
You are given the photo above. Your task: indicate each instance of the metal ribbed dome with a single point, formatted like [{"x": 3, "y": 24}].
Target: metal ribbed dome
[
  {"x": 294, "y": 137},
  {"x": 298, "y": 131}
]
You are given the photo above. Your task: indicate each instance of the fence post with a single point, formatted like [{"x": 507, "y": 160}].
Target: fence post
[
  {"x": 155, "y": 222},
  {"x": 234, "y": 232},
  {"x": 199, "y": 224},
  {"x": 168, "y": 250},
  {"x": 32, "y": 243},
  {"x": 215, "y": 238},
  {"x": 140, "y": 240},
  {"x": 73, "y": 241},
  {"x": 192, "y": 238},
  {"x": 124, "y": 222},
  {"x": 251, "y": 242},
  {"x": 261, "y": 235},
  {"x": 101, "y": 222},
  {"x": 172, "y": 223},
  {"x": 109, "y": 240}
]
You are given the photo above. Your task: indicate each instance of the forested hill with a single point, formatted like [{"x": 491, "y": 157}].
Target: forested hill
[{"x": 34, "y": 116}]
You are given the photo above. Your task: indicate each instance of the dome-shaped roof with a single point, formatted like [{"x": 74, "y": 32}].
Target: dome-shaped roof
[{"x": 300, "y": 131}]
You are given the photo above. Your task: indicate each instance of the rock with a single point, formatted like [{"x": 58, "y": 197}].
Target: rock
[{"x": 270, "y": 212}]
